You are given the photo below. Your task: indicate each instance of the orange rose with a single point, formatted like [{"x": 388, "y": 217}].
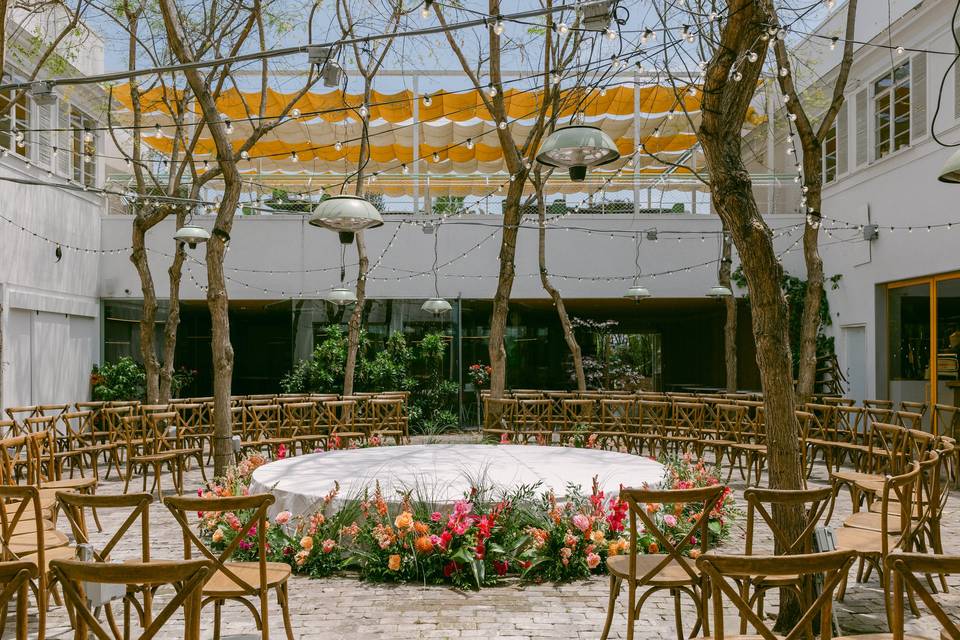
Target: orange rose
[
  {"x": 654, "y": 547},
  {"x": 394, "y": 563},
  {"x": 306, "y": 543},
  {"x": 597, "y": 537},
  {"x": 694, "y": 553},
  {"x": 404, "y": 520},
  {"x": 423, "y": 545}
]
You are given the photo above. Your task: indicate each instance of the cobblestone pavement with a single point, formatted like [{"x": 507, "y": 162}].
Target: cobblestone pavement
[{"x": 344, "y": 607}]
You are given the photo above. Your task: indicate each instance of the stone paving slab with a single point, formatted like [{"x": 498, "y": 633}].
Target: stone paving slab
[{"x": 344, "y": 607}]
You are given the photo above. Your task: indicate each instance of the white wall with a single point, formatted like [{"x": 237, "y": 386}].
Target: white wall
[
  {"x": 50, "y": 310},
  {"x": 898, "y": 190},
  {"x": 306, "y": 260}
]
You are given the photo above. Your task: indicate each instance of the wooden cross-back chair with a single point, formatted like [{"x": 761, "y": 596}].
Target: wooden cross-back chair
[
  {"x": 264, "y": 430},
  {"x": 499, "y": 417},
  {"x": 534, "y": 421},
  {"x": 878, "y": 404},
  {"x": 909, "y": 419},
  {"x": 19, "y": 414},
  {"x": 760, "y": 506},
  {"x": 238, "y": 581},
  {"x": 298, "y": 424},
  {"x": 186, "y": 577},
  {"x": 895, "y": 534},
  {"x": 886, "y": 453},
  {"x": 654, "y": 425},
  {"x": 152, "y": 443},
  {"x": 904, "y": 568},
  {"x": 137, "y": 507},
  {"x": 914, "y": 407},
  {"x": 686, "y": 427},
  {"x": 15, "y": 580},
  {"x": 726, "y": 432},
  {"x": 671, "y": 569},
  {"x": 616, "y": 422},
  {"x": 193, "y": 426},
  {"x": 338, "y": 419},
  {"x": 388, "y": 418},
  {"x": 725, "y": 574},
  {"x": 79, "y": 438},
  {"x": 26, "y": 538},
  {"x": 948, "y": 424},
  {"x": 577, "y": 417}
]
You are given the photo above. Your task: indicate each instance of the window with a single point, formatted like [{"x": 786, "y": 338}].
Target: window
[
  {"x": 891, "y": 111},
  {"x": 13, "y": 119},
  {"x": 830, "y": 155},
  {"x": 84, "y": 148}
]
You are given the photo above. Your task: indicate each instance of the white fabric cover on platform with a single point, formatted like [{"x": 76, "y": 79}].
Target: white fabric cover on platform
[{"x": 442, "y": 474}]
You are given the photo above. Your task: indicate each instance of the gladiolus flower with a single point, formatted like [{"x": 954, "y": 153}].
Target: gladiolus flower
[
  {"x": 283, "y": 517},
  {"x": 593, "y": 560},
  {"x": 306, "y": 543},
  {"x": 394, "y": 563},
  {"x": 328, "y": 545}
]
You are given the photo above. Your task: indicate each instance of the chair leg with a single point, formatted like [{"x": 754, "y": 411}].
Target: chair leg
[
  {"x": 614, "y": 592},
  {"x": 283, "y": 599},
  {"x": 217, "y": 611}
]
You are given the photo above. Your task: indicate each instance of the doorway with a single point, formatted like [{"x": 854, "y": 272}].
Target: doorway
[{"x": 855, "y": 359}]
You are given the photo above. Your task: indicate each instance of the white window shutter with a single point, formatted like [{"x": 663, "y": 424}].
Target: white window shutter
[
  {"x": 861, "y": 113},
  {"x": 64, "y": 140},
  {"x": 842, "y": 139},
  {"x": 918, "y": 96},
  {"x": 45, "y": 137}
]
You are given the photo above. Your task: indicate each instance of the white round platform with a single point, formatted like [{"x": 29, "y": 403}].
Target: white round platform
[{"x": 443, "y": 473}]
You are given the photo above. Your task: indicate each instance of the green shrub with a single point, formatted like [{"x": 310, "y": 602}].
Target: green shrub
[{"x": 120, "y": 380}]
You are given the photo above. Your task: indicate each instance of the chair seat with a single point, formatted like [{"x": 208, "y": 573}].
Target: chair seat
[
  {"x": 873, "y": 521},
  {"x": 856, "y": 477},
  {"x": 68, "y": 483},
  {"x": 885, "y": 636},
  {"x": 749, "y": 446},
  {"x": 220, "y": 584},
  {"x": 166, "y": 456},
  {"x": 22, "y": 543},
  {"x": 59, "y": 553},
  {"x": 670, "y": 575},
  {"x": 863, "y": 541}
]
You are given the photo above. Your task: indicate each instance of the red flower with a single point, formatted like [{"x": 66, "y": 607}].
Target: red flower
[
  {"x": 450, "y": 568},
  {"x": 445, "y": 539},
  {"x": 480, "y": 550},
  {"x": 281, "y": 452},
  {"x": 501, "y": 567}
]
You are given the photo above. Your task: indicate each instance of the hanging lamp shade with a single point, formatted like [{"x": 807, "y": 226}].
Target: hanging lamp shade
[
  {"x": 192, "y": 235},
  {"x": 436, "y": 306},
  {"x": 951, "y": 170},
  {"x": 637, "y": 293},
  {"x": 576, "y": 148},
  {"x": 719, "y": 291},
  {"x": 341, "y": 296},
  {"x": 346, "y": 215}
]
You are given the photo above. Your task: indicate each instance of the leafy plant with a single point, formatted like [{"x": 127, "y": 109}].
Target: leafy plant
[{"x": 124, "y": 379}]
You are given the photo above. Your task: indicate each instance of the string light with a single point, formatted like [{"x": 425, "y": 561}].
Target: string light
[
  {"x": 562, "y": 28},
  {"x": 498, "y": 27},
  {"x": 295, "y": 113},
  {"x": 427, "y": 100},
  {"x": 227, "y": 127}
]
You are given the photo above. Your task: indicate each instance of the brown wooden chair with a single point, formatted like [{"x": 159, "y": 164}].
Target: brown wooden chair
[
  {"x": 338, "y": 419},
  {"x": 534, "y": 421},
  {"x": 760, "y": 506},
  {"x": 15, "y": 580},
  {"x": 239, "y": 581},
  {"x": 499, "y": 418},
  {"x": 654, "y": 425},
  {"x": 577, "y": 417},
  {"x": 671, "y": 569},
  {"x": 186, "y": 577},
  {"x": 80, "y": 446},
  {"x": 388, "y": 418},
  {"x": 686, "y": 429},
  {"x": 616, "y": 418},
  {"x": 726, "y": 574},
  {"x": 22, "y": 511}
]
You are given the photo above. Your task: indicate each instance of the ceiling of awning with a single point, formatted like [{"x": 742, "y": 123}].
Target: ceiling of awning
[{"x": 326, "y": 135}]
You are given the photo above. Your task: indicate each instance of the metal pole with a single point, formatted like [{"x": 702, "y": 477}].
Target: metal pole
[
  {"x": 636, "y": 142},
  {"x": 460, "y": 355},
  {"x": 416, "y": 144}
]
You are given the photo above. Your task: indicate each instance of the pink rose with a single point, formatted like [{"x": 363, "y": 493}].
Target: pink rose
[
  {"x": 593, "y": 560},
  {"x": 283, "y": 517},
  {"x": 436, "y": 516},
  {"x": 328, "y": 545},
  {"x": 581, "y": 522},
  {"x": 669, "y": 520}
]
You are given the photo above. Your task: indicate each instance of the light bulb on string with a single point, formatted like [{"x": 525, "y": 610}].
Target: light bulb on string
[
  {"x": 562, "y": 28},
  {"x": 498, "y": 27},
  {"x": 491, "y": 90},
  {"x": 833, "y": 42},
  {"x": 469, "y": 143},
  {"x": 87, "y": 136},
  {"x": 900, "y": 50},
  {"x": 337, "y": 146},
  {"x": 425, "y": 9},
  {"x": 157, "y": 131},
  {"x": 752, "y": 56},
  {"x": 611, "y": 34},
  {"x": 228, "y": 127},
  {"x": 245, "y": 155},
  {"x": 363, "y": 111},
  {"x": 502, "y": 125},
  {"x": 294, "y": 157},
  {"x": 427, "y": 100},
  {"x": 784, "y": 72}
]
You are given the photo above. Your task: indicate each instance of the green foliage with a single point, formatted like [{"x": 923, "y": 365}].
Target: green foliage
[
  {"x": 280, "y": 201},
  {"x": 447, "y": 205},
  {"x": 323, "y": 372},
  {"x": 121, "y": 380},
  {"x": 433, "y": 396},
  {"x": 795, "y": 290}
]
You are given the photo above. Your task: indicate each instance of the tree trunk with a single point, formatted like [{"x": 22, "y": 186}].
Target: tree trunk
[
  {"x": 148, "y": 350},
  {"x": 568, "y": 335},
  {"x": 501, "y": 299},
  {"x": 175, "y": 272},
  {"x": 810, "y": 319},
  {"x": 730, "y": 323},
  {"x": 218, "y": 304},
  {"x": 356, "y": 317}
]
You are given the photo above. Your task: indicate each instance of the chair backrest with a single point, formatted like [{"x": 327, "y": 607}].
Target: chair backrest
[
  {"x": 576, "y": 411},
  {"x": 15, "y": 581},
  {"x": 688, "y": 417},
  {"x": 905, "y": 567},
  {"x": 897, "y": 497},
  {"x": 731, "y": 420},
  {"x": 74, "y": 506},
  {"x": 20, "y": 504},
  {"x": 720, "y": 569},
  {"x": 672, "y": 546},
  {"x": 948, "y": 419},
  {"x": 849, "y": 423},
  {"x": 78, "y": 428},
  {"x": 913, "y": 407},
  {"x": 252, "y": 513},
  {"x": 763, "y": 503},
  {"x": 500, "y": 412},
  {"x": 187, "y": 576},
  {"x": 909, "y": 419},
  {"x": 387, "y": 414},
  {"x": 615, "y": 415},
  {"x": 339, "y": 415}
]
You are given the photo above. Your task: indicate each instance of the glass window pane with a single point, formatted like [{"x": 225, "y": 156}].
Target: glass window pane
[{"x": 908, "y": 318}]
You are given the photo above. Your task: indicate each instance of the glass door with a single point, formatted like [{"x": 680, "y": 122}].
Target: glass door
[
  {"x": 909, "y": 332},
  {"x": 947, "y": 313}
]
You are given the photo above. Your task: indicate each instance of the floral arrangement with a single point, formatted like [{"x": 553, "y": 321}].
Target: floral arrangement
[
  {"x": 480, "y": 374},
  {"x": 475, "y": 543}
]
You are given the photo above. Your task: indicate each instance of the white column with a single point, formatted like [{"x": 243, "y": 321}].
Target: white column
[
  {"x": 416, "y": 144},
  {"x": 636, "y": 142}
]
